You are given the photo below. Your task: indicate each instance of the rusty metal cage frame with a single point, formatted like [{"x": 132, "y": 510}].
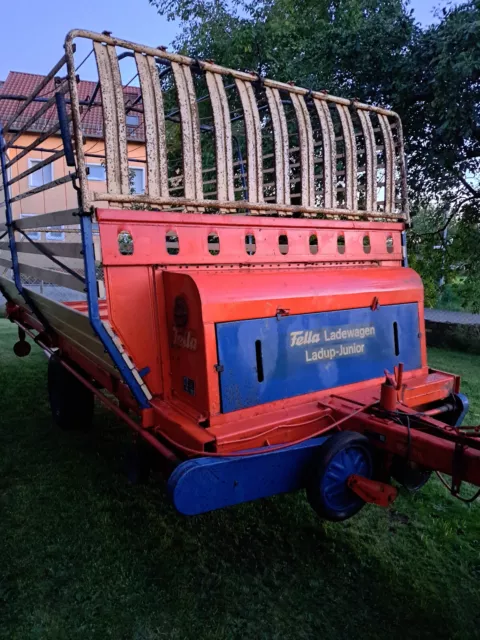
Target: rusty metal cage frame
[{"x": 304, "y": 103}]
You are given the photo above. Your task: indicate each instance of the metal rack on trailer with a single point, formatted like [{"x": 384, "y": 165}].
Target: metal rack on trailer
[{"x": 248, "y": 307}]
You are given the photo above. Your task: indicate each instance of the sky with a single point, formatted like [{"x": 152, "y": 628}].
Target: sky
[{"x": 38, "y": 44}]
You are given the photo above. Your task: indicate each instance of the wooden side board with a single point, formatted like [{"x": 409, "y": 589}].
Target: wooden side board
[
  {"x": 58, "y": 249},
  {"x": 37, "y": 268},
  {"x": 8, "y": 288},
  {"x": 68, "y": 323}
]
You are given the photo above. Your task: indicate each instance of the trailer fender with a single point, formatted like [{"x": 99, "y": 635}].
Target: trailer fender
[{"x": 205, "y": 484}]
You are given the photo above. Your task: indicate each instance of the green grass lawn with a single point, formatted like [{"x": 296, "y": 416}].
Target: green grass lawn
[{"x": 85, "y": 555}]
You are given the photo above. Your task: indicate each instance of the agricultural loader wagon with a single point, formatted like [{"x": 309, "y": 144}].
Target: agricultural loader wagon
[{"x": 249, "y": 313}]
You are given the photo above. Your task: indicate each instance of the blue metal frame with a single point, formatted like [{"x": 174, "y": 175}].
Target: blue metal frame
[
  {"x": 9, "y": 217},
  {"x": 463, "y": 405},
  {"x": 11, "y": 238},
  {"x": 63, "y": 120},
  {"x": 94, "y": 313}
]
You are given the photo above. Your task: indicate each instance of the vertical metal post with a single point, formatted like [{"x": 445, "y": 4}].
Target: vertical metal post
[
  {"x": 64, "y": 129},
  {"x": 11, "y": 238},
  {"x": 404, "y": 249},
  {"x": 9, "y": 216}
]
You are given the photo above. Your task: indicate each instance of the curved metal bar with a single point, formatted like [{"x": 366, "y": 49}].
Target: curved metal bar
[
  {"x": 350, "y": 156},
  {"x": 254, "y": 140},
  {"x": 280, "y": 139},
  {"x": 389, "y": 164},
  {"x": 403, "y": 171},
  {"x": 223, "y": 137},
  {"x": 155, "y": 141},
  {"x": 305, "y": 134},
  {"x": 192, "y": 157},
  {"x": 113, "y": 123},
  {"x": 371, "y": 159},
  {"x": 329, "y": 153},
  {"x": 121, "y": 135}
]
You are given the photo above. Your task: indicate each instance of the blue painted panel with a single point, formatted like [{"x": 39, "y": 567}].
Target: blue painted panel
[
  {"x": 463, "y": 405},
  {"x": 204, "y": 484},
  {"x": 312, "y": 352}
]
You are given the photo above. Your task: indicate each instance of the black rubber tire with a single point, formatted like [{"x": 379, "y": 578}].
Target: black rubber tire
[
  {"x": 71, "y": 402},
  {"x": 327, "y": 452},
  {"x": 412, "y": 479},
  {"x": 22, "y": 349}
]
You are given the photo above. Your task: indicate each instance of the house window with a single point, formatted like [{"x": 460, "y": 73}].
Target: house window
[
  {"x": 96, "y": 172},
  {"x": 137, "y": 179},
  {"x": 132, "y": 121},
  {"x": 55, "y": 234},
  {"x": 33, "y": 235},
  {"x": 40, "y": 177}
]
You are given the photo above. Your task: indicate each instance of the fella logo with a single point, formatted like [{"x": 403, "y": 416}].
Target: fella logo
[{"x": 184, "y": 339}]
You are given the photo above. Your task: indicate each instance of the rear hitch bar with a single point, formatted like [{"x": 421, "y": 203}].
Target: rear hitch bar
[{"x": 379, "y": 493}]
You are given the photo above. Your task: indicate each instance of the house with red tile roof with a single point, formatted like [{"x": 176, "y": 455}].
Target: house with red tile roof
[{"x": 16, "y": 88}]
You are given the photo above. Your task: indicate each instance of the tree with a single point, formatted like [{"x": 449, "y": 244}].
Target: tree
[
  {"x": 439, "y": 103},
  {"x": 375, "y": 51},
  {"x": 341, "y": 45}
]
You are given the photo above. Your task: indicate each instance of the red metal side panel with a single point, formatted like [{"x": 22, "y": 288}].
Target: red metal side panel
[
  {"x": 132, "y": 312},
  {"x": 188, "y": 376},
  {"x": 245, "y": 294},
  {"x": 310, "y": 241}
]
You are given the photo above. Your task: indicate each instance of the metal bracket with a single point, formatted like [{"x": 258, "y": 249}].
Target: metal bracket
[
  {"x": 282, "y": 313},
  {"x": 458, "y": 457},
  {"x": 372, "y": 491}
]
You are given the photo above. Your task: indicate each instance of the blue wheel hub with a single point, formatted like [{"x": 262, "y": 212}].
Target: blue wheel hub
[{"x": 335, "y": 492}]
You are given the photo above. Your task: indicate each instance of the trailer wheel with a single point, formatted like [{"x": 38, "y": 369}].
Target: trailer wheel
[
  {"x": 340, "y": 456},
  {"x": 70, "y": 401}
]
